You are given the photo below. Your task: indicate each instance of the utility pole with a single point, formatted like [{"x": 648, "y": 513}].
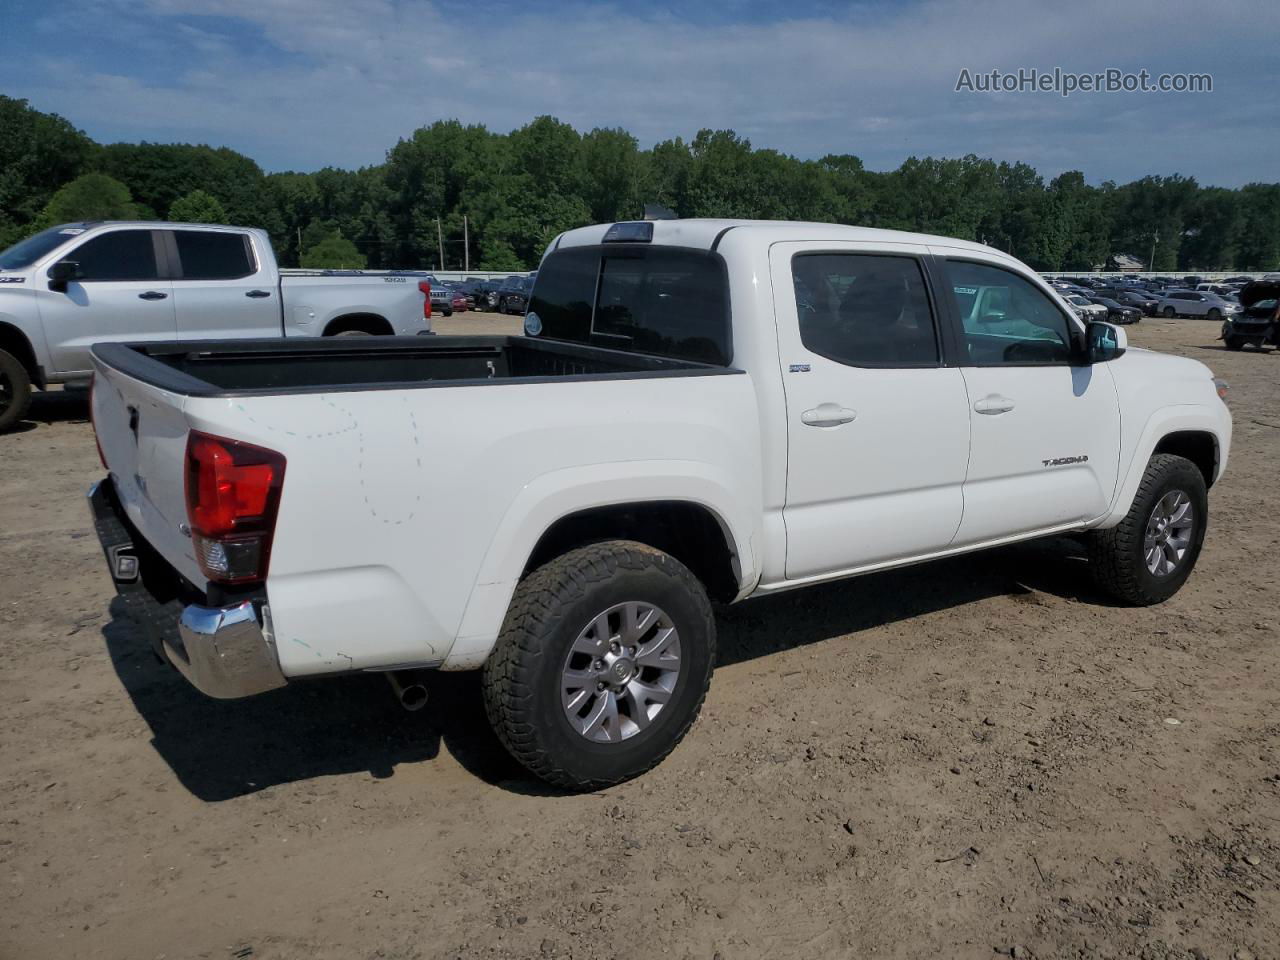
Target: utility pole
[
  {"x": 466, "y": 246},
  {"x": 440, "y": 240}
]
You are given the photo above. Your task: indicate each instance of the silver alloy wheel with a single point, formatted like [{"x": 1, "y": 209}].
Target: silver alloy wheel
[
  {"x": 620, "y": 672},
  {"x": 1169, "y": 533}
]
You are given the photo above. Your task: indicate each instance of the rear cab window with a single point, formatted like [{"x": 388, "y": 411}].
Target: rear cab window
[{"x": 667, "y": 301}]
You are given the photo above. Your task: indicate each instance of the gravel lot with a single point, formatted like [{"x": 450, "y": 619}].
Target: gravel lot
[{"x": 963, "y": 758}]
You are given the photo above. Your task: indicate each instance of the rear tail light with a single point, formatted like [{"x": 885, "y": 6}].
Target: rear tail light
[
  {"x": 426, "y": 299},
  {"x": 233, "y": 496},
  {"x": 93, "y": 382}
]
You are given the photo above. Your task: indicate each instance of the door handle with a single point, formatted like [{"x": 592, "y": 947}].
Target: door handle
[
  {"x": 152, "y": 295},
  {"x": 258, "y": 294},
  {"x": 827, "y": 415},
  {"x": 993, "y": 404}
]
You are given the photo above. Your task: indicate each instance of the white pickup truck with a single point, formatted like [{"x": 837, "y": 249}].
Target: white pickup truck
[
  {"x": 700, "y": 410},
  {"x": 72, "y": 286}
]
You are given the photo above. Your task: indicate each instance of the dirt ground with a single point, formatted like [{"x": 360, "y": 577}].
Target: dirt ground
[{"x": 957, "y": 760}]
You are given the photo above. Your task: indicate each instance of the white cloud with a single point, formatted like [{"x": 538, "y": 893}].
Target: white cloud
[{"x": 338, "y": 81}]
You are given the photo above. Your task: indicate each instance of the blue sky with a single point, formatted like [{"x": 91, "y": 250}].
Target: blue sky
[{"x": 302, "y": 84}]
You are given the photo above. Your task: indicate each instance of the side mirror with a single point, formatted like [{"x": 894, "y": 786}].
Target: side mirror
[
  {"x": 62, "y": 273},
  {"x": 1106, "y": 341}
]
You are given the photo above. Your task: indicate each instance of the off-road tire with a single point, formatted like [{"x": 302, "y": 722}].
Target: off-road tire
[
  {"x": 19, "y": 382},
  {"x": 1116, "y": 555},
  {"x": 521, "y": 679}
]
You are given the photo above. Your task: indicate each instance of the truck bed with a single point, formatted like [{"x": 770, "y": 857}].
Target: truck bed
[
  {"x": 253, "y": 367},
  {"x": 380, "y": 463}
]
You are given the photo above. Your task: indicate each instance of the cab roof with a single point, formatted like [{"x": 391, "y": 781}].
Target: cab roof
[{"x": 706, "y": 234}]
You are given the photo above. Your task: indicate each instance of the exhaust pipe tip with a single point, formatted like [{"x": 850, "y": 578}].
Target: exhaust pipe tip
[
  {"x": 411, "y": 694},
  {"x": 413, "y": 697}
]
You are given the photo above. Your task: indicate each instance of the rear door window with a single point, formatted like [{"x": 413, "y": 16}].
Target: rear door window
[
  {"x": 664, "y": 301},
  {"x": 864, "y": 310},
  {"x": 212, "y": 255}
]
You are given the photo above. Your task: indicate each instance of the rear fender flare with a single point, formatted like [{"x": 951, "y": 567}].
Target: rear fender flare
[{"x": 556, "y": 495}]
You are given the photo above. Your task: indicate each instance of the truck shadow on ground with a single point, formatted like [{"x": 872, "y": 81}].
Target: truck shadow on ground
[
  {"x": 55, "y": 406},
  {"x": 220, "y": 750}
]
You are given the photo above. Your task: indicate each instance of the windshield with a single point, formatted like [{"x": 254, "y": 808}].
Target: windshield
[{"x": 26, "y": 252}]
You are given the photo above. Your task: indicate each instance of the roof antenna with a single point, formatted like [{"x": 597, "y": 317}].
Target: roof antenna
[{"x": 656, "y": 211}]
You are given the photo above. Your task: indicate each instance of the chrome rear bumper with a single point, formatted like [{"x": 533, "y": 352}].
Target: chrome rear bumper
[{"x": 225, "y": 652}]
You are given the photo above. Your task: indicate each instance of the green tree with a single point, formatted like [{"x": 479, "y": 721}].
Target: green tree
[
  {"x": 324, "y": 247},
  {"x": 516, "y": 191},
  {"x": 39, "y": 152},
  {"x": 93, "y": 196},
  {"x": 1259, "y": 244},
  {"x": 1213, "y": 229},
  {"x": 159, "y": 174},
  {"x": 613, "y": 175},
  {"x": 197, "y": 206}
]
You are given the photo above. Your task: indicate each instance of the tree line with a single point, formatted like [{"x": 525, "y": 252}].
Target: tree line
[{"x": 518, "y": 190}]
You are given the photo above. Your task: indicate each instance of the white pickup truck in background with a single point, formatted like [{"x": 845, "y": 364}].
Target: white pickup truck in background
[
  {"x": 700, "y": 410},
  {"x": 69, "y": 287}
]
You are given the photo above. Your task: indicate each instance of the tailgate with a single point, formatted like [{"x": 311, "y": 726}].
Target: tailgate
[{"x": 143, "y": 435}]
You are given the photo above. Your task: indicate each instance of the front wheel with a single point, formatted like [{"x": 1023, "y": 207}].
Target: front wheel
[
  {"x": 1214, "y": 314},
  {"x": 15, "y": 390},
  {"x": 1233, "y": 343},
  {"x": 602, "y": 665},
  {"x": 1148, "y": 556}
]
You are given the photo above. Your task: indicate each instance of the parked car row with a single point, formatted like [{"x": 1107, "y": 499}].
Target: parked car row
[
  {"x": 1128, "y": 299},
  {"x": 509, "y": 295}
]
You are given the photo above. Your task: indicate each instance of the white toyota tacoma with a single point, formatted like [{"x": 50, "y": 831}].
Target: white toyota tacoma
[
  {"x": 699, "y": 411},
  {"x": 74, "y": 285}
]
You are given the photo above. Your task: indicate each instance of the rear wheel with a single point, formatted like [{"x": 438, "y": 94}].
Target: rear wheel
[
  {"x": 1169, "y": 312},
  {"x": 1148, "y": 556},
  {"x": 602, "y": 665},
  {"x": 15, "y": 390}
]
